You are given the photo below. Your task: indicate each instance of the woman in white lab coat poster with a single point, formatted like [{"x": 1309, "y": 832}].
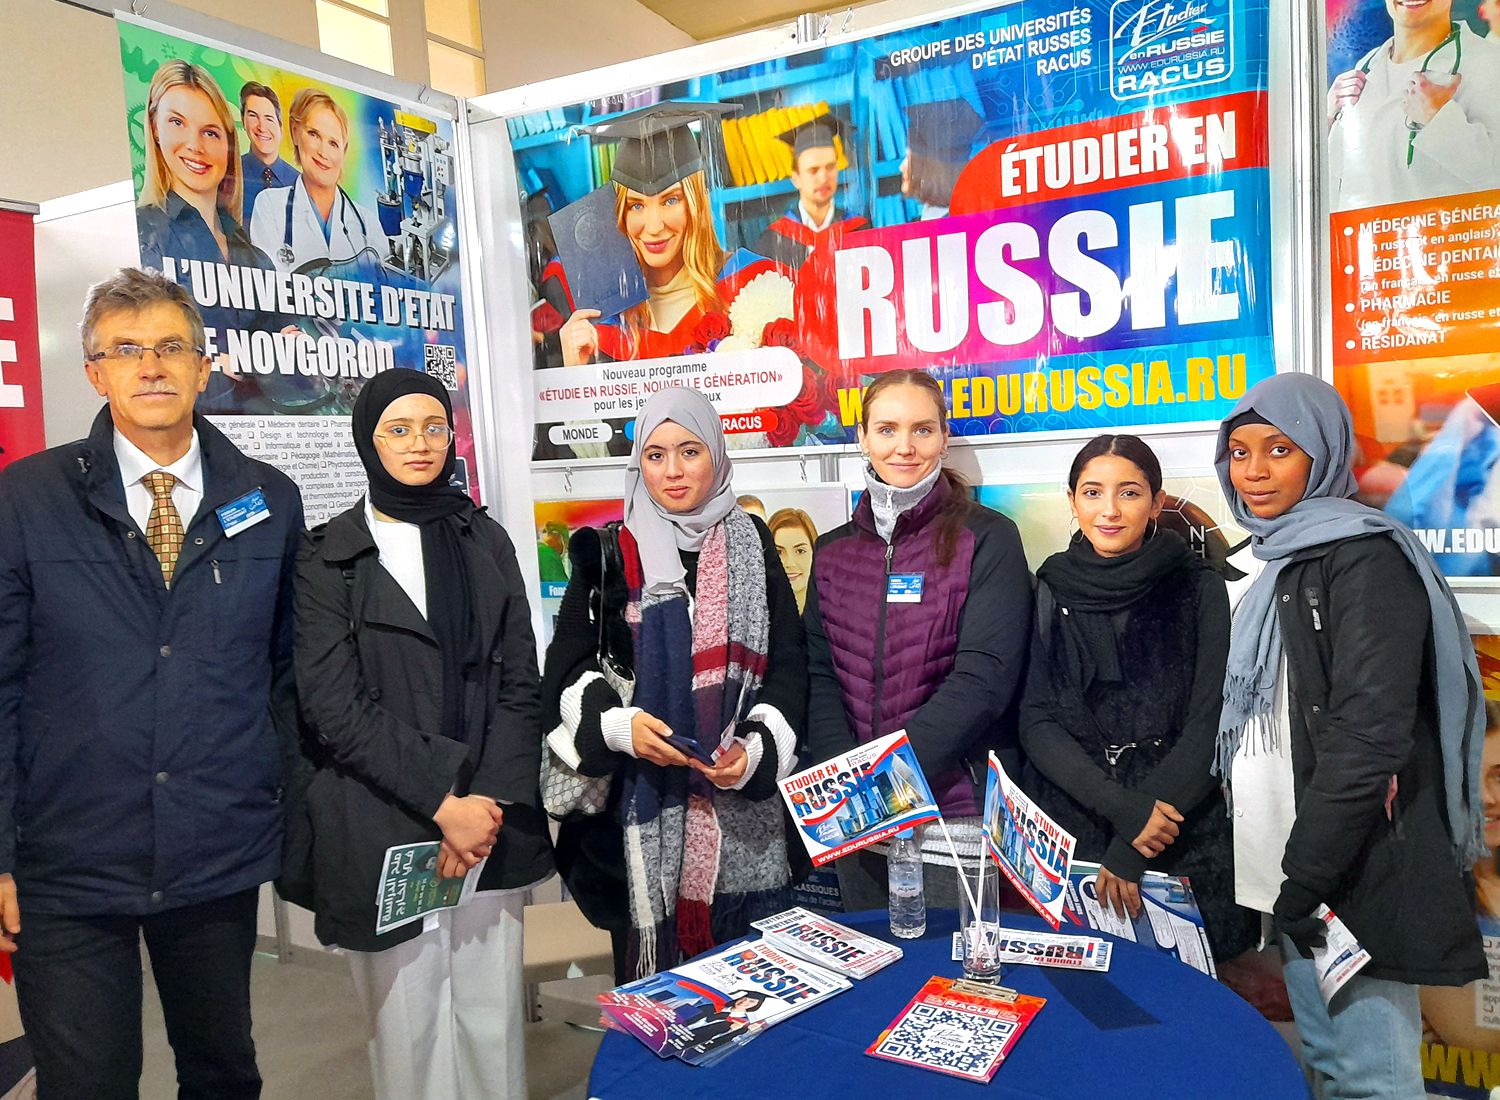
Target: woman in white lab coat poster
[{"x": 315, "y": 220}]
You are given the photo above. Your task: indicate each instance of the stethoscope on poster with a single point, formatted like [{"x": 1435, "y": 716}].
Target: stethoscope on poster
[
  {"x": 285, "y": 254},
  {"x": 1453, "y": 39}
]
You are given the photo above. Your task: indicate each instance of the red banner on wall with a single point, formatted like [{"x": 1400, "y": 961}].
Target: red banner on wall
[{"x": 21, "y": 429}]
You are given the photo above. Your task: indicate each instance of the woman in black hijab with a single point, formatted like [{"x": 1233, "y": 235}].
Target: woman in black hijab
[
  {"x": 416, "y": 670},
  {"x": 1123, "y": 693}
]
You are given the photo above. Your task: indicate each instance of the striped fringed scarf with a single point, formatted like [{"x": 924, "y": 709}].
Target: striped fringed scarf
[{"x": 700, "y": 863}]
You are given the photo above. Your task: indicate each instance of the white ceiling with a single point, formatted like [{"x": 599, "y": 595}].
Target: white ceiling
[{"x": 705, "y": 19}]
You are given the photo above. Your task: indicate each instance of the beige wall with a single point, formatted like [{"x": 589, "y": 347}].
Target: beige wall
[{"x": 62, "y": 100}]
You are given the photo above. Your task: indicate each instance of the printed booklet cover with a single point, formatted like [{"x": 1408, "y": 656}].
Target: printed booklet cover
[
  {"x": 818, "y": 939},
  {"x": 1032, "y": 850},
  {"x": 705, "y": 1009},
  {"x": 1087, "y": 953},
  {"x": 862, "y": 797},
  {"x": 1169, "y": 920},
  {"x": 410, "y": 887},
  {"x": 958, "y": 1028}
]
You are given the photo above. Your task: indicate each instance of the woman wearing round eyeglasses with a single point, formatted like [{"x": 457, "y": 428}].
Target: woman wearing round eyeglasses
[{"x": 416, "y": 671}]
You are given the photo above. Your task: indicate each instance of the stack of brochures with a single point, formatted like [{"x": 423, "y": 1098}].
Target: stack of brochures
[
  {"x": 706, "y": 1009},
  {"x": 816, "y": 938},
  {"x": 961, "y": 1028},
  {"x": 1169, "y": 922}
]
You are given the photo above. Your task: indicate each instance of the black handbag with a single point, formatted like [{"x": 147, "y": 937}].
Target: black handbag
[{"x": 566, "y": 792}]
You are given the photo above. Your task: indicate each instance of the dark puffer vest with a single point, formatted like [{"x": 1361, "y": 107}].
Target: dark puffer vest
[{"x": 945, "y": 668}]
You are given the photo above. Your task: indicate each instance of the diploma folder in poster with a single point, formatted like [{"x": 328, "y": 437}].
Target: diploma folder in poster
[
  {"x": 1033, "y": 851},
  {"x": 602, "y": 268},
  {"x": 862, "y": 797}
]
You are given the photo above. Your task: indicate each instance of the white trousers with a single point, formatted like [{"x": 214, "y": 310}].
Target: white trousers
[{"x": 445, "y": 1009}]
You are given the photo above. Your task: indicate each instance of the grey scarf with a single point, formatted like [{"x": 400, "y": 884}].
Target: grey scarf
[
  {"x": 661, "y": 534},
  {"x": 887, "y": 502},
  {"x": 1311, "y": 414}
]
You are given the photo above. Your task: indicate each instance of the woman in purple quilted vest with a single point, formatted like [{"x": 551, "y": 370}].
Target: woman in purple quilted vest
[{"x": 944, "y": 667}]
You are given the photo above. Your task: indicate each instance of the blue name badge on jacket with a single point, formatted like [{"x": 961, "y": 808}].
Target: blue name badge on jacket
[
  {"x": 243, "y": 512},
  {"x": 904, "y": 588}
]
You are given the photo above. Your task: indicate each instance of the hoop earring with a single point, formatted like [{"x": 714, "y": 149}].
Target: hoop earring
[
  {"x": 1151, "y": 528},
  {"x": 1075, "y": 533}
]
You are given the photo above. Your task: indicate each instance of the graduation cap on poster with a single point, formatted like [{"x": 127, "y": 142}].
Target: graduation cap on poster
[
  {"x": 657, "y": 146},
  {"x": 939, "y": 136},
  {"x": 824, "y": 132}
]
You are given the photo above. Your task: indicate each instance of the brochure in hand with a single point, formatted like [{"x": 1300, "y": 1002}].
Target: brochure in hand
[
  {"x": 817, "y": 939},
  {"x": 862, "y": 797},
  {"x": 1032, "y": 850},
  {"x": 1169, "y": 920},
  {"x": 957, "y": 1027},
  {"x": 1341, "y": 956},
  {"x": 410, "y": 887},
  {"x": 703, "y": 1010}
]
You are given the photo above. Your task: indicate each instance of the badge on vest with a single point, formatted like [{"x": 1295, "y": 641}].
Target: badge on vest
[
  {"x": 904, "y": 588},
  {"x": 243, "y": 513}
]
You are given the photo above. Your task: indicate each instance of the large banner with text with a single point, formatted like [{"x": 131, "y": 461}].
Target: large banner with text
[
  {"x": 1413, "y": 138},
  {"x": 1059, "y": 210},
  {"x": 317, "y": 229},
  {"x": 22, "y": 431}
]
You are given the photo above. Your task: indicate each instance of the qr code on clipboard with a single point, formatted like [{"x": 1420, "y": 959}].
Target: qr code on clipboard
[
  {"x": 441, "y": 361},
  {"x": 961, "y": 1043}
]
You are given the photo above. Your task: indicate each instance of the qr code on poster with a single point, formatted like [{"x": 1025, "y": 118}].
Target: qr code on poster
[
  {"x": 961, "y": 1043},
  {"x": 442, "y": 363}
]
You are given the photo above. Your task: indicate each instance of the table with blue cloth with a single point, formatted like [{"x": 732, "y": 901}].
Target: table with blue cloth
[{"x": 1151, "y": 1027}]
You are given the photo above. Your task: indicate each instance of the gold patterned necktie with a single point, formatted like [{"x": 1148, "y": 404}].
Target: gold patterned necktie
[{"x": 164, "y": 526}]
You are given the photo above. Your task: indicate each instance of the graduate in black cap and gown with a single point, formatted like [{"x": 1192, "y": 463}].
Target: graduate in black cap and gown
[
  {"x": 663, "y": 207},
  {"x": 813, "y": 221}
]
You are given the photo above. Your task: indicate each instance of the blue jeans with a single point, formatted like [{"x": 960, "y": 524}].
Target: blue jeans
[{"x": 1368, "y": 1046}]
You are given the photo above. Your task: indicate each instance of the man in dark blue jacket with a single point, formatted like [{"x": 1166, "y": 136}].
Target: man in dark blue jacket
[{"x": 145, "y": 674}]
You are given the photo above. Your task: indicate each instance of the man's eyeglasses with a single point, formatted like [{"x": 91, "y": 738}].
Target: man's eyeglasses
[
  {"x": 402, "y": 439},
  {"x": 167, "y": 351}
]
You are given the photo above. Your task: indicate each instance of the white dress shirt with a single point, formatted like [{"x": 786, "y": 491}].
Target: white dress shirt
[
  {"x": 810, "y": 222},
  {"x": 135, "y": 464}
]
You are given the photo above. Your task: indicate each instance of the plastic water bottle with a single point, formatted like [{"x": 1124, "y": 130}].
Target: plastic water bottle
[{"x": 907, "y": 904}]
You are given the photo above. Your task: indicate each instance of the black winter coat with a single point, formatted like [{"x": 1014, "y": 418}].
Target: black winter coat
[
  {"x": 371, "y": 678},
  {"x": 1356, "y": 631},
  {"x": 141, "y": 728}
]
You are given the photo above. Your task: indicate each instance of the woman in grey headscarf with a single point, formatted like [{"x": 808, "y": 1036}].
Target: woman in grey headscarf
[
  {"x": 1350, "y": 739},
  {"x": 678, "y": 668}
]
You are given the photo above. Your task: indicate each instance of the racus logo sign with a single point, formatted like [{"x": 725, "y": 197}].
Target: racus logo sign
[{"x": 1168, "y": 45}]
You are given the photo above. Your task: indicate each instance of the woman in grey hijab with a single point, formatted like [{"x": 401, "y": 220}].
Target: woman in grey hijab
[
  {"x": 1353, "y": 699},
  {"x": 678, "y": 669}
]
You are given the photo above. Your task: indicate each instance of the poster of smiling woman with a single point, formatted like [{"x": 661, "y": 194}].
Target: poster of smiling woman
[
  {"x": 317, "y": 229},
  {"x": 1059, "y": 209}
]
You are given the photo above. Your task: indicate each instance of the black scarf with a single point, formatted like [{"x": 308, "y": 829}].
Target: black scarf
[
  {"x": 450, "y": 607},
  {"x": 1092, "y": 593}
]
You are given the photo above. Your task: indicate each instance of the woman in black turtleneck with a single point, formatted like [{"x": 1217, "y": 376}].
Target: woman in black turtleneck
[
  {"x": 416, "y": 671},
  {"x": 1122, "y": 701}
]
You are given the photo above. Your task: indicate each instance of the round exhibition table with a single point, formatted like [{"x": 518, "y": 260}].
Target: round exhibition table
[{"x": 1151, "y": 1027}]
